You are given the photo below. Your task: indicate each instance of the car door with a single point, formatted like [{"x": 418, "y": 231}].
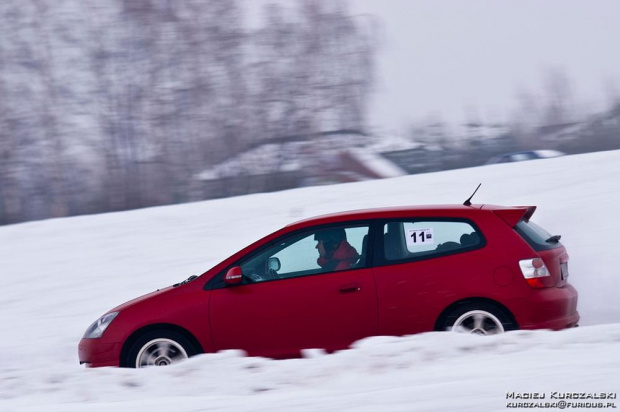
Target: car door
[
  {"x": 421, "y": 266},
  {"x": 301, "y": 305}
]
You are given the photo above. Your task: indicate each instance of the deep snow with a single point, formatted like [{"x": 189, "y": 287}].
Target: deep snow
[{"x": 60, "y": 275}]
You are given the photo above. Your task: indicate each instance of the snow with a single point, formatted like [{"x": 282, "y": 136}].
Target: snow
[
  {"x": 268, "y": 158},
  {"x": 377, "y": 163},
  {"x": 59, "y": 275},
  {"x": 549, "y": 153}
]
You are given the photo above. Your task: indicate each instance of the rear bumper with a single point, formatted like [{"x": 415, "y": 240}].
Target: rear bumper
[
  {"x": 555, "y": 324},
  {"x": 96, "y": 353},
  {"x": 548, "y": 308}
]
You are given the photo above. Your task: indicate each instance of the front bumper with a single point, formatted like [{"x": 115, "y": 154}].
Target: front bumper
[{"x": 96, "y": 353}]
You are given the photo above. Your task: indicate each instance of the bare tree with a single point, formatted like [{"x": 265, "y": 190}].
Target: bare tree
[
  {"x": 124, "y": 109},
  {"x": 57, "y": 195},
  {"x": 21, "y": 148},
  {"x": 313, "y": 70},
  {"x": 559, "y": 98}
]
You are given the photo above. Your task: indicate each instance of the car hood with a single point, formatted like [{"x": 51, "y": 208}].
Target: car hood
[{"x": 142, "y": 298}]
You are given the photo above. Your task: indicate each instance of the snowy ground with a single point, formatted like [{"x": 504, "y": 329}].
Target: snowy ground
[{"x": 60, "y": 275}]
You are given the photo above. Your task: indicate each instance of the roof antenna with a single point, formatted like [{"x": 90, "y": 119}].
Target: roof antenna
[{"x": 468, "y": 201}]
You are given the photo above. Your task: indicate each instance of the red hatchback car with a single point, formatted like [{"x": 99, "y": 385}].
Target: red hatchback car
[{"x": 328, "y": 281}]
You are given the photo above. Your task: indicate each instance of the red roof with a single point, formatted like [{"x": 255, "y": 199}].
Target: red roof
[{"x": 362, "y": 214}]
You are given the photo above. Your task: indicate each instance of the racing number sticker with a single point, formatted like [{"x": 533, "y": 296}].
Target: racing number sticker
[{"x": 420, "y": 237}]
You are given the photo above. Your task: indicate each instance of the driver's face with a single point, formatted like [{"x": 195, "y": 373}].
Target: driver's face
[{"x": 321, "y": 248}]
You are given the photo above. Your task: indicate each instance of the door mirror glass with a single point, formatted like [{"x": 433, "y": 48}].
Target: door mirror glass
[
  {"x": 274, "y": 264},
  {"x": 234, "y": 276}
]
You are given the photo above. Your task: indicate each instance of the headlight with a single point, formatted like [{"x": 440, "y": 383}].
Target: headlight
[{"x": 95, "y": 330}]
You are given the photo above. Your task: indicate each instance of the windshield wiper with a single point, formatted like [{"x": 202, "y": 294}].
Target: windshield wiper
[{"x": 554, "y": 239}]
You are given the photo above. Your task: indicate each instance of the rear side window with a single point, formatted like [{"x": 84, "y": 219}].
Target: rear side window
[
  {"x": 537, "y": 237},
  {"x": 420, "y": 239}
]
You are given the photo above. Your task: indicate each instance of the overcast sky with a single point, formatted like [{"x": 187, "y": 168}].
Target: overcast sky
[
  {"x": 468, "y": 59},
  {"x": 464, "y": 58}
]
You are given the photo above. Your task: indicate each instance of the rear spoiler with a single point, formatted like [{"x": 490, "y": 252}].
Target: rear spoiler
[{"x": 513, "y": 215}]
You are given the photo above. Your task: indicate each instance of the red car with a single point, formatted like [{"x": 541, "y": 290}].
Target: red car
[{"x": 328, "y": 281}]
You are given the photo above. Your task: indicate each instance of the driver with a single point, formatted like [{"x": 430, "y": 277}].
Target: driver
[{"x": 335, "y": 253}]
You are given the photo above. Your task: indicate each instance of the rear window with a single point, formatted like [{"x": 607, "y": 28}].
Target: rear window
[
  {"x": 428, "y": 238},
  {"x": 536, "y": 236}
]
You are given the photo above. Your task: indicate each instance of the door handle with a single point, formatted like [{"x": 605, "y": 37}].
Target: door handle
[{"x": 350, "y": 289}]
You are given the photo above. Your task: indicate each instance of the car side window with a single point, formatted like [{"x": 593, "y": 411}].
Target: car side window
[
  {"x": 414, "y": 239},
  {"x": 326, "y": 249}
]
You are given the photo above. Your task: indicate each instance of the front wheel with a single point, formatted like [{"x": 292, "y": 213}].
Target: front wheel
[
  {"x": 478, "y": 319},
  {"x": 159, "y": 348}
]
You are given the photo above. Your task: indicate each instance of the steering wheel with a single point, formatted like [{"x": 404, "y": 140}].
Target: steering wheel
[
  {"x": 272, "y": 274},
  {"x": 256, "y": 277},
  {"x": 262, "y": 273}
]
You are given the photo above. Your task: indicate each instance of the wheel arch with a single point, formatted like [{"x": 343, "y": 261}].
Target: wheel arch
[
  {"x": 441, "y": 319},
  {"x": 124, "y": 362}
]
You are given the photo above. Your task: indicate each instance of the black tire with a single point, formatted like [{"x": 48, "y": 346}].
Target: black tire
[
  {"x": 159, "y": 348},
  {"x": 481, "y": 318}
]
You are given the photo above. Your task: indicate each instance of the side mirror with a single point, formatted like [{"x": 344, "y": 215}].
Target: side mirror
[
  {"x": 274, "y": 264},
  {"x": 234, "y": 276}
]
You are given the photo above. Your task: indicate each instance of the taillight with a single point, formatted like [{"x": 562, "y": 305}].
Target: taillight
[{"x": 534, "y": 271}]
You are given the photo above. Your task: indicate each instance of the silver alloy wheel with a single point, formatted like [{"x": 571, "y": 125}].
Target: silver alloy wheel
[
  {"x": 478, "y": 322},
  {"x": 160, "y": 352}
]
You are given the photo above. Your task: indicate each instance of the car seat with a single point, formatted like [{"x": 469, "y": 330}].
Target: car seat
[
  {"x": 362, "y": 260},
  {"x": 393, "y": 246}
]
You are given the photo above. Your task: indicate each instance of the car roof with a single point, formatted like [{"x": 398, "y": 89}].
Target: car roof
[{"x": 389, "y": 212}]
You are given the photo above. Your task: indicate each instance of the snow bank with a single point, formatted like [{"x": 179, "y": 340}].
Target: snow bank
[{"x": 60, "y": 275}]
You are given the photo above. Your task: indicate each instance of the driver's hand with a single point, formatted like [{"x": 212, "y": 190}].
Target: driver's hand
[
  {"x": 273, "y": 274},
  {"x": 255, "y": 277}
]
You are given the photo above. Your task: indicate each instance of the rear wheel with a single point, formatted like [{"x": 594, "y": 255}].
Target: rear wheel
[
  {"x": 159, "y": 348},
  {"x": 478, "y": 319}
]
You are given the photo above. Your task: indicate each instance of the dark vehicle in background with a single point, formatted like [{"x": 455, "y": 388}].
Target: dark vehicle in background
[
  {"x": 524, "y": 155},
  {"x": 480, "y": 269}
]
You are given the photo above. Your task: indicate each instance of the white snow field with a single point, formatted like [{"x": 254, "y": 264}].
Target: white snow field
[{"x": 59, "y": 275}]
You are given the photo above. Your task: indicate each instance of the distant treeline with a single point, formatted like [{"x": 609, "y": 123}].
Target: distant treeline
[
  {"x": 118, "y": 104},
  {"x": 549, "y": 118}
]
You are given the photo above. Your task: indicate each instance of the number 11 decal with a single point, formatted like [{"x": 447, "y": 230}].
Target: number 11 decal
[{"x": 420, "y": 237}]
